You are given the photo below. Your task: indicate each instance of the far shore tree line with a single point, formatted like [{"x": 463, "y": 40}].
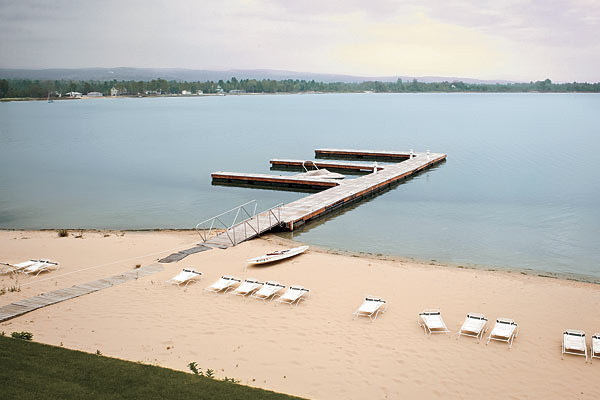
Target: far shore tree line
[{"x": 26, "y": 88}]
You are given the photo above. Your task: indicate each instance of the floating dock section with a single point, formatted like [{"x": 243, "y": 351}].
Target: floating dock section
[
  {"x": 374, "y": 155},
  {"x": 334, "y": 193},
  {"x": 292, "y": 182}
]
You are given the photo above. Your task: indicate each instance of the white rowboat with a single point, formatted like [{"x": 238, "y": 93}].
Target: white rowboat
[{"x": 278, "y": 255}]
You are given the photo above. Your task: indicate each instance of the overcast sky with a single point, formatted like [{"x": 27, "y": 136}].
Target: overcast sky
[{"x": 487, "y": 39}]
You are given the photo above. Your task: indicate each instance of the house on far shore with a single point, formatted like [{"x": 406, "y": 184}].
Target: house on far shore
[
  {"x": 199, "y": 92},
  {"x": 114, "y": 92},
  {"x": 185, "y": 93},
  {"x": 95, "y": 94},
  {"x": 236, "y": 91},
  {"x": 74, "y": 94}
]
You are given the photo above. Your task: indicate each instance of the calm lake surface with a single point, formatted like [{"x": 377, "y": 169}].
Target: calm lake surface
[{"x": 520, "y": 187}]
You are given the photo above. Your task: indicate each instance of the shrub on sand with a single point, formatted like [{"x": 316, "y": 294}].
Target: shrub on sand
[{"x": 22, "y": 335}]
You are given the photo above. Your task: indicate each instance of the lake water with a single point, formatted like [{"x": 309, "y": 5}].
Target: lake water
[{"x": 520, "y": 187}]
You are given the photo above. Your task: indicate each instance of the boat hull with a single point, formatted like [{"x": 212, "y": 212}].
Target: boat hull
[{"x": 277, "y": 256}]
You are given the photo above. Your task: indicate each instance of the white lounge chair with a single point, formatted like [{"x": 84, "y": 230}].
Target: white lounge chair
[
  {"x": 371, "y": 308},
  {"x": 595, "y": 346},
  {"x": 247, "y": 287},
  {"x": 8, "y": 268},
  {"x": 293, "y": 295},
  {"x": 432, "y": 322},
  {"x": 474, "y": 326},
  {"x": 268, "y": 291},
  {"x": 185, "y": 276},
  {"x": 574, "y": 343},
  {"x": 41, "y": 266},
  {"x": 225, "y": 283},
  {"x": 505, "y": 330}
]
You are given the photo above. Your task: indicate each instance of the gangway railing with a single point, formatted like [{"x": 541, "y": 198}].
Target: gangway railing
[{"x": 240, "y": 229}]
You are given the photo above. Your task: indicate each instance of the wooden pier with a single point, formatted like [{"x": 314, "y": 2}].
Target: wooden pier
[{"x": 336, "y": 193}]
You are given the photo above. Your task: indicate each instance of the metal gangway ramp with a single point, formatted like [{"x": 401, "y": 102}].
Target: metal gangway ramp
[{"x": 237, "y": 225}]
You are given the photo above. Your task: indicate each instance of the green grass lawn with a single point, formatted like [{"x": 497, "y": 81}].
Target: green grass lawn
[{"x": 30, "y": 370}]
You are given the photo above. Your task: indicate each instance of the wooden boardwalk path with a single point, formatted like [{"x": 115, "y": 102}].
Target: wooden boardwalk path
[
  {"x": 24, "y": 306},
  {"x": 337, "y": 193}
]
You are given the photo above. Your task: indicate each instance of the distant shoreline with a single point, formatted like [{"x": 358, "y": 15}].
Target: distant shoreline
[
  {"x": 27, "y": 88},
  {"x": 178, "y": 96}
]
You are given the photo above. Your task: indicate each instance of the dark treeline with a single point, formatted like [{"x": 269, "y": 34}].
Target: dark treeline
[{"x": 22, "y": 88}]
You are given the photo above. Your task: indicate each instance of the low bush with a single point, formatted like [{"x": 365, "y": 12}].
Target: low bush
[{"x": 22, "y": 335}]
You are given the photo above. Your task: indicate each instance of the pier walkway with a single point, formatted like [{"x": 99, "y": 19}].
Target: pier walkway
[{"x": 298, "y": 212}]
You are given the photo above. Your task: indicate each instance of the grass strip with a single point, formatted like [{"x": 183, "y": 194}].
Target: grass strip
[{"x": 30, "y": 370}]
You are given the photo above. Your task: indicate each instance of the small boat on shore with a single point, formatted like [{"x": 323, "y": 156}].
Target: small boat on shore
[{"x": 277, "y": 255}]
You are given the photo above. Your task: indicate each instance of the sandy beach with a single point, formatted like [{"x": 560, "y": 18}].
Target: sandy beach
[{"x": 315, "y": 350}]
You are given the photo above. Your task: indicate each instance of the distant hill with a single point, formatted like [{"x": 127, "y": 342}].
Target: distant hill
[{"x": 182, "y": 74}]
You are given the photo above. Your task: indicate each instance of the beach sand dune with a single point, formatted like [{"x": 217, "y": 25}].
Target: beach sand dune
[{"x": 316, "y": 349}]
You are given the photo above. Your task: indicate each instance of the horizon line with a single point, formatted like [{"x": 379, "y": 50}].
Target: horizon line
[{"x": 283, "y": 71}]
